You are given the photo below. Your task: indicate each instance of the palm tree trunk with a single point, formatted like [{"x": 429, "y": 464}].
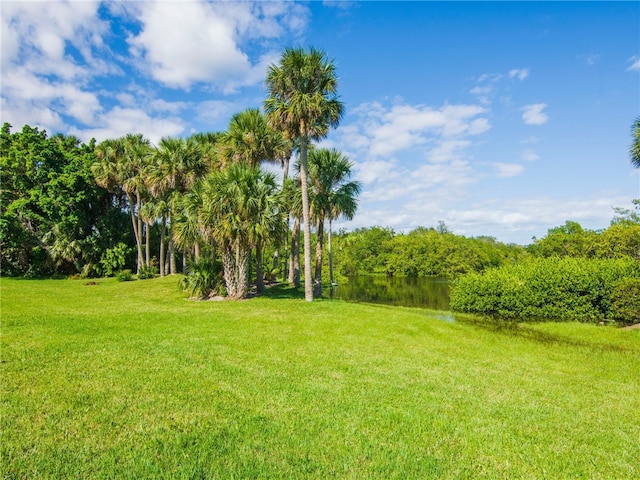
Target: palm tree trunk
[
  {"x": 294, "y": 266},
  {"x": 172, "y": 257},
  {"x": 276, "y": 253},
  {"x": 306, "y": 219},
  {"x": 140, "y": 230},
  {"x": 162, "y": 235},
  {"x": 243, "y": 253},
  {"x": 330, "y": 255},
  {"x": 147, "y": 243},
  {"x": 136, "y": 231},
  {"x": 259, "y": 273},
  {"x": 317, "y": 281},
  {"x": 229, "y": 273}
]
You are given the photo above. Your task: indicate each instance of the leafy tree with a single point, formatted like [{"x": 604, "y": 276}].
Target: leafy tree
[
  {"x": 54, "y": 219},
  {"x": 292, "y": 198},
  {"x": 568, "y": 240},
  {"x": 303, "y": 103},
  {"x": 364, "y": 251}
]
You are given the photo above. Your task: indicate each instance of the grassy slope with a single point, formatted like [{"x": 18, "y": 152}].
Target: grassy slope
[{"x": 130, "y": 380}]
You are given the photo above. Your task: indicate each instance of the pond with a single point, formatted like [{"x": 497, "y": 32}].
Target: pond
[{"x": 432, "y": 293}]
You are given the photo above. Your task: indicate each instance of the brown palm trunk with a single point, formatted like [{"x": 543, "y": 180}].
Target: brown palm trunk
[
  {"x": 259, "y": 273},
  {"x": 317, "y": 281},
  {"x": 147, "y": 243},
  {"x": 133, "y": 204},
  {"x": 294, "y": 267},
  {"x": 306, "y": 220},
  {"x": 228, "y": 264},
  {"x": 163, "y": 227},
  {"x": 330, "y": 256}
]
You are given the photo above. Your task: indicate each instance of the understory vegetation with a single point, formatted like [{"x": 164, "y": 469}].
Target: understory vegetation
[{"x": 102, "y": 379}]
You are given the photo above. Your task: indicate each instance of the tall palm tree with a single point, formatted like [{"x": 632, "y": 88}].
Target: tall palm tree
[
  {"x": 634, "y": 150},
  {"x": 303, "y": 103},
  {"x": 177, "y": 164},
  {"x": 188, "y": 231},
  {"x": 333, "y": 195},
  {"x": 122, "y": 165},
  {"x": 251, "y": 140},
  {"x": 267, "y": 222}
]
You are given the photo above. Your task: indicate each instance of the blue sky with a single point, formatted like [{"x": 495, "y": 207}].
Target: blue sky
[{"x": 498, "y": 118}]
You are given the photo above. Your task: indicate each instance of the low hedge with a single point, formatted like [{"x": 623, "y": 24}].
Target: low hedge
[{"x": 588, "y": 290}]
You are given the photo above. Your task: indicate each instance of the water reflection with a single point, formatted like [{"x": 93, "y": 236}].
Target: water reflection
[{"x": 432, "y": 293}]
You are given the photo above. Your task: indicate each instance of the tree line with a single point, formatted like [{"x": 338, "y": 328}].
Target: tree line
[{"x": 204, "y": 198}]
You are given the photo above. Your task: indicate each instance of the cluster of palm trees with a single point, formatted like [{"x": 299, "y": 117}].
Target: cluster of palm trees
[{"x": 210, "y": 189}]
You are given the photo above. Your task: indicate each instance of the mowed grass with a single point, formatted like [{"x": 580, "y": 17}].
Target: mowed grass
[{"x": 132, "y": 380}]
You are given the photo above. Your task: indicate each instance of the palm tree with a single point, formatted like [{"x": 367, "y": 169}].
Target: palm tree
[
  {"x": 188, "y": 232},
  {"x": 303, "y": 103},
  {"x": 267, "y": 221},
  {"x": 122, "y": 165},
  {"x": 233, "y": 204},
  {"x": 178, "y": 163},
  {"x": 292, "y": 198},
  {"x": 634, "y": 150},
  {"x": 333, "y": 196},
  {"x": 251, "y": 140}
]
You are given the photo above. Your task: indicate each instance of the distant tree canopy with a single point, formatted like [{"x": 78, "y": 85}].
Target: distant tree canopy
[
  {"x": 423, "y": 252},
  {"x": 437, "y": 252}
]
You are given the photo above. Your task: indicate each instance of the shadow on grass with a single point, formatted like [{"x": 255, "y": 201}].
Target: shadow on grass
[
  {"x": 522, "y": 330},
  {"x": 281, "y": 291}
]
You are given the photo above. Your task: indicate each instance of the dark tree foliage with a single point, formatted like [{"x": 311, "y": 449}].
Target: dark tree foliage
[{"x": 54, "y": 217}]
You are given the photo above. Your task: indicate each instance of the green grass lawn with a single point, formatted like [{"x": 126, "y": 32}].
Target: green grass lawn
[{"x": 131, "y": 380}]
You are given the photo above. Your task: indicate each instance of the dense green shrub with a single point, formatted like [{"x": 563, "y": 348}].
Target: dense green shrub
[
  {"x": 203, "y": 278},
  {"x": 546, "y": 288},
  {"x": 114, "y": 259},
  {"x": 124, "y": 276},
  {"x": 145, "y": 272},
  {"x": 625, "y": 300}
]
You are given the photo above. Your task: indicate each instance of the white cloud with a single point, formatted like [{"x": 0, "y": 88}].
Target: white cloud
[
  {"x": 533, "y": 114},
  {"x": 591, "y": 59},
  {"x": 519, "y": 73},
  {"x": 386, "y": 130},
  {"x": 121, "y": 121},
  {"x": 375, "y": 170},
  {"x": 36, "y": 34},
  {"x": 530, "y": 156},
  {"x": 217, "y": 111},
  {"x": 635, "y": 63},
  {"x": 210, "y": 48},
  {"x": 447, "y": 150},
  {"x": 490, "y": 77},
  {"x": 505, "y": 170}
]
